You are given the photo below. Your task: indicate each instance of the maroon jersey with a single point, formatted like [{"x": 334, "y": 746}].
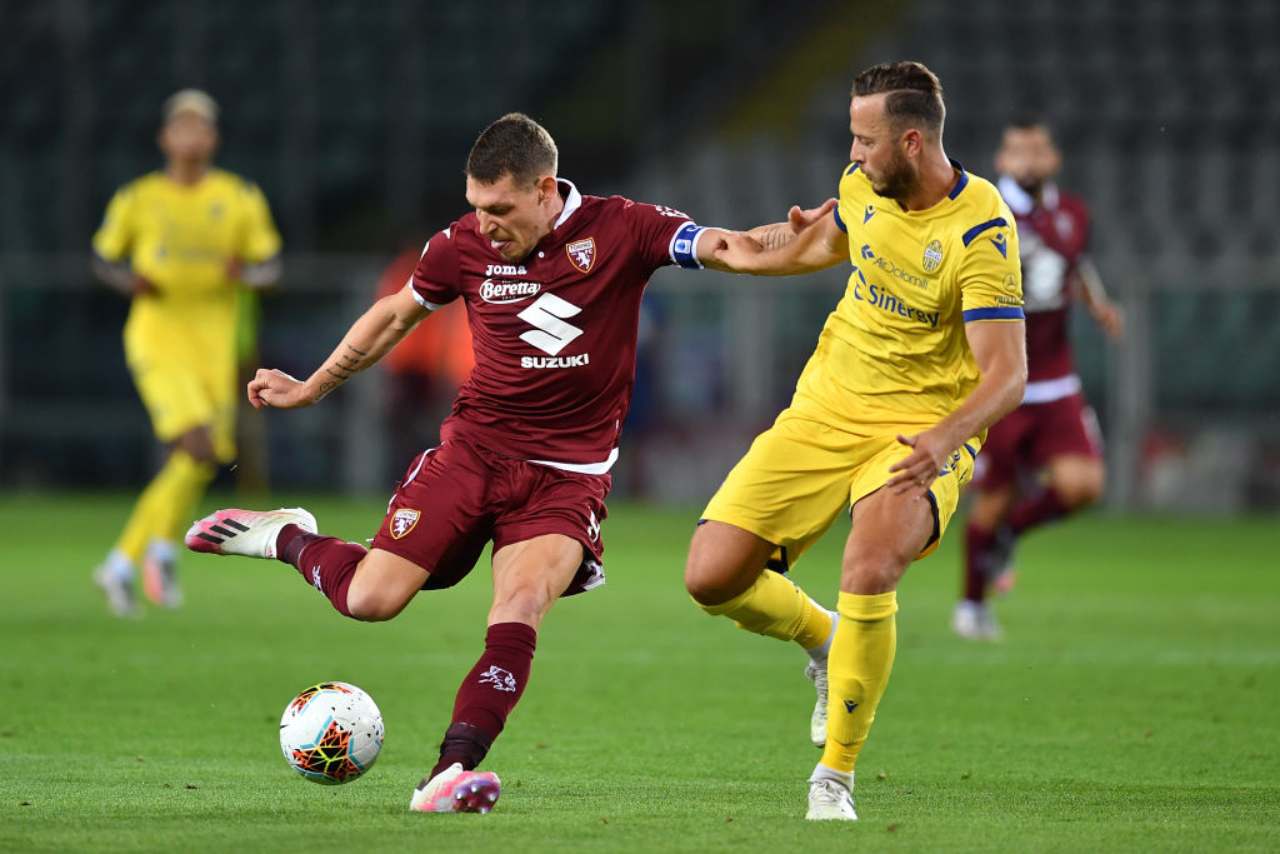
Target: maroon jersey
[
  {"x": 1052, "y": 238},
  {"x": 554, "y": 334}
]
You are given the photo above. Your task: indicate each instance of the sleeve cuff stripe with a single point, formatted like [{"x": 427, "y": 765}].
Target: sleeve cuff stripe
[
  {"x": 972, "y": 234},
  {"x": 1001, "y": 313},
  {"x": 429, "y": 306},
  {"x": 836, "y": 213}
]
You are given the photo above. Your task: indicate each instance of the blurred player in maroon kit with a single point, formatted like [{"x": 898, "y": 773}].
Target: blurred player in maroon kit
[
  {"x": 1053, "y": 435},
  {"x": 551, "y": 280}
]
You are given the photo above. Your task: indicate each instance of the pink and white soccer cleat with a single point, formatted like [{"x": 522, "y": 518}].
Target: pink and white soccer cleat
[
  {"x": 455, "y": 790},
  {"x": 251, "y": 533}
]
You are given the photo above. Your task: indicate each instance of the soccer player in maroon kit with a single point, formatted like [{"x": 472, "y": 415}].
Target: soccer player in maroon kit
[
  {"x": 1053, "y": 433},
  {"x": 552, "y": 282}
]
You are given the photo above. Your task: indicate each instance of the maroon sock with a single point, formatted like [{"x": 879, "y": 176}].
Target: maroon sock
[
  {"x": 327, "y": 563},
  {"x": 977, "y": 547},
  {"x": 1036, "y": 511},
  {"x": 488, "y": 694}
]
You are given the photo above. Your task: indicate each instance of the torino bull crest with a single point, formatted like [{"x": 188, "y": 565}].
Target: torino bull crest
[{"x": 582, "y": 254}]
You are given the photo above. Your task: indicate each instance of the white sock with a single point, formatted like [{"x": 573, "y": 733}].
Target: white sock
[
  {"x": 163, "y": 551},
  {"x": 118, "y": 565},
  {"x": 822, "y": 772},
  {"x": 819, "y": 652}
]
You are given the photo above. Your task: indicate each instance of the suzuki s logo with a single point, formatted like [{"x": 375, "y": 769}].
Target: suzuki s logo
[{"x": 548, "y": 314}]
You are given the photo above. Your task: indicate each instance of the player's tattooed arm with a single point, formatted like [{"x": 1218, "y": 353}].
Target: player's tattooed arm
[
  {"x": 779, "y": 234},
  {"x": 817, "y": 245},
  {"x": 369, "y": 339}
]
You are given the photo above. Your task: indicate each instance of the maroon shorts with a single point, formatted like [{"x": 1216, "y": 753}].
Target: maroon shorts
[
  {"x": 1034, "y": 433},
  {"x": 455, "y": 498}
]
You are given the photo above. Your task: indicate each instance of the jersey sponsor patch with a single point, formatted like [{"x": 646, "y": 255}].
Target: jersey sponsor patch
[
  {"x": 582, "y": 254},
  {"x": 403, "y": 521}
]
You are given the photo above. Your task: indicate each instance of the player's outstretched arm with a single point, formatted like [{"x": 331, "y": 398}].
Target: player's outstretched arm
[
  {"x": 370, "y": 338},
  {"x": 1107, "y": 314},
  {"x": 779, "y": 234},
  {"x": 765, "y": 251},
  {"x": 999, "y": 347}
]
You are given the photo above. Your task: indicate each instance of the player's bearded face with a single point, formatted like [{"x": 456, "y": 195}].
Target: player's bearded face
[
  {"x": 879, "y": 150},
  {"x": 895, "y": 179},
  {"x": 513, "y": 216}
]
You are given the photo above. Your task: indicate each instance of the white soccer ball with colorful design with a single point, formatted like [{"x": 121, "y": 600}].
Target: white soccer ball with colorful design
[{"x": 331, "y": 733}]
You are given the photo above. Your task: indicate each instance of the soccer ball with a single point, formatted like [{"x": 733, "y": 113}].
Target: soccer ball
[{"x": 331, "y": 733}]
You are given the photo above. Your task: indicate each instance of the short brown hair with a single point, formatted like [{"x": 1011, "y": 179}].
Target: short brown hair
[
  {"x": 516, "y": 145},
  {"x": 915, "y": 93}
]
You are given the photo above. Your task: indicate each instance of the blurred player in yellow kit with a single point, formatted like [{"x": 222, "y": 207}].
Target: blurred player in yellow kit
[
  {"x": 181, "y": 243},
  {"x": 922, "y": 354}
]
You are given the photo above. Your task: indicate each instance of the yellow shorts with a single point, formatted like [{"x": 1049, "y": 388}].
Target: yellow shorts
[
  {"x": 179, "y": 397},
  {"x": 800, "y": 474}
]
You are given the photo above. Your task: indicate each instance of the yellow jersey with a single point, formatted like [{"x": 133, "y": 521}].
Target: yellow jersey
[
  {"x": 181, "y": 239},
  {"x": 894, "y": 351}
]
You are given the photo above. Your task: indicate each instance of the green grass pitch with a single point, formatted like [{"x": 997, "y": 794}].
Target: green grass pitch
[{"x": 1135, "y": 704}]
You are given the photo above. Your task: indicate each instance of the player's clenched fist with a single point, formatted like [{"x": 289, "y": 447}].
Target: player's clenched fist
[
  {"x": 737, "y": 250},
  {"x": 277, "y": 389}
]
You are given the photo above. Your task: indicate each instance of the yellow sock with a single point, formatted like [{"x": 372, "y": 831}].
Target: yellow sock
[
  {"x": 777, "y": 608},
  {"x": 858, "y": 668},
  {"x": 164, "y": 503},
  {"x": 183, "y": 490}
]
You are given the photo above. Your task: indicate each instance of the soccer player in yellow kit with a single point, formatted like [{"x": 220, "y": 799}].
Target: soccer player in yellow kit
[
  {"x": 924, "y": 351},
  {"x": 181, "y": 243}
]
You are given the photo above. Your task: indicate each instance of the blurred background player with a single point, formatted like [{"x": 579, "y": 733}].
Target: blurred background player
[
  {"x": 1051, "y": 443},
  {"x": 178, "y": 243},
  {"x": 425, "y": 370}
]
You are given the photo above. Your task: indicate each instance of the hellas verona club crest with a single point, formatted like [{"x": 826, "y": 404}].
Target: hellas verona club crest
[
  {"x": 582, "y": 254},
  {"x": 932, "y": 256},
  {"x": 403, "y": 521}
]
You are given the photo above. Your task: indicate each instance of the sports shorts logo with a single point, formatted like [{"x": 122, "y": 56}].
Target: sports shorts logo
[
  {"x": 932, "y": 256},
  {"x": 582, "y": 254},
  {"x": 500, "y": 678},
  {"x": 403, "y": 521}
]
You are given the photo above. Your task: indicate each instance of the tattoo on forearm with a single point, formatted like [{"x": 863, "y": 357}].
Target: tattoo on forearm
[
  {"x": 776, "y": 237},
  {"x": 357, "y": 350},
  {"x": 327, "y": 386}
]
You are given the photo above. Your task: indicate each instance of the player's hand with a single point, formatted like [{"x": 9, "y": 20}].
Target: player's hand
[
  {"x": 737, "y": 251},
  {"x": 1111, "y": 318},
  {"x": 278, "y": 390},
  {"x": 799, "y": 219},
  {"x": 142, "y": 287},
  {"x": 919, "y": 470}
]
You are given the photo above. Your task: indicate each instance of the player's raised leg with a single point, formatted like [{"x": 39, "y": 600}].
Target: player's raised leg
[
  {"x": 726, "y": 576},
  {"x": 363, "y": 584},
  {"x": 889, "y": 531},
  {"x": 528, "y": 577}
]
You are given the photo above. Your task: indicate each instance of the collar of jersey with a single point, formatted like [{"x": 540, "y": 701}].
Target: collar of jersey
[
  {"x": 1020, "y": 201},
  {"x": 572, "y": 201}
]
